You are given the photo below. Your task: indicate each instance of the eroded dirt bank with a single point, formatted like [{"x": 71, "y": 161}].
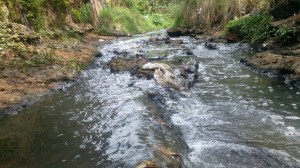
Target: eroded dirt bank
[
  {"x": 32, "y": 65},
  {"x": 283, "y": 64}
]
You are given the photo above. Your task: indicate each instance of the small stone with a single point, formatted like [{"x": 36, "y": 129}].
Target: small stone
[{"x": 147, "y": 164}]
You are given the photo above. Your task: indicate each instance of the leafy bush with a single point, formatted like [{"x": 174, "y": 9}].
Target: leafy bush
[
  {"x": 139, "y": 5},
  {"x": 83, "y": 14},
  {"x": 33, "y": 9},
  {"x": 253, "y": 28},
  {"x": 59, "y": 5},
  {"x": 157, "y": 19},
  {"x": 283, "y": 34}
]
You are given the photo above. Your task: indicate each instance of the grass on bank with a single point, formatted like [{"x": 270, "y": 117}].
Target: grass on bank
[
  {"x": 257, "y": 28},
  {"x": 130, "y": 21},
  {"x": 254, "y": 28},
  {"x": 209, "y": 14}
]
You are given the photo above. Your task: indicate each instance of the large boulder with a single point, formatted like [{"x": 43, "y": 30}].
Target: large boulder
[
  {"x": 177, "y": 32},
  {"x": 286, "y": 10},
  {"x": 163, "y": 75},
  {"x": 134, "y": 66},
  {"x": 233, "y": 35}
]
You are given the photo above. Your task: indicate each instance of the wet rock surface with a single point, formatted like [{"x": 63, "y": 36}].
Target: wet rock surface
[
  {"x": 134, "y": 66},
  {"x": 139, "y": 64},
  {"x": 288, "y": 66},
  {"x": 285, "y": 10},
  {"x": 231, "y": 117},
  {"x": 162, "y": 73},
  {"x": 233, "y": 35}
]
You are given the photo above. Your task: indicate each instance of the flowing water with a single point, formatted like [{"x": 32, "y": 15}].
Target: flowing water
[{"x": 232, "y": 117}]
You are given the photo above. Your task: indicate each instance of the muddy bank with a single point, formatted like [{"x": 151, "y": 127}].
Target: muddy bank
[
  {"x": 38, "y": 69},
  {"x": 281, "y": 65}
]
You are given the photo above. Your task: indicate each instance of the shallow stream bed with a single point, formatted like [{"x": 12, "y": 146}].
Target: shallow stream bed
[{"x": 232, "y": 117}]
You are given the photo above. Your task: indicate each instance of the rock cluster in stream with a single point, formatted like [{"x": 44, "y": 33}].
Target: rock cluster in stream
[
  {"x": 161, "y": 72},
  {"x": 152, "y": 68}
]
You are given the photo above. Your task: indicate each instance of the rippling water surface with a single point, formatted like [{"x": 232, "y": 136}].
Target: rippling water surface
[{"x": 232, "y": 117}]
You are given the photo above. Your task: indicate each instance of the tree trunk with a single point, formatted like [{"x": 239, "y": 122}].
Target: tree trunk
[{"x": 96, "y": 7}]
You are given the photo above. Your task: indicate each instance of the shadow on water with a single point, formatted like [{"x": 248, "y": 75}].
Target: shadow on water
[{"x": 232, "y": 117}]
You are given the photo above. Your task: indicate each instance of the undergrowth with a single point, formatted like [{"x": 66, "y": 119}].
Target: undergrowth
[
  {"x": 257, "y": 28},
  {"x": 37, "y": 59},
  {"x": 253, "y": 28},
  {"x": 82, "y": 14},
  {"x": 126, "y": 20},
  {"x": 209, "y": 14}
]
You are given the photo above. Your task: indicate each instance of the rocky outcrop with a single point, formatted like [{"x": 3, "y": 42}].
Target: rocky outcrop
[
  {"x": 163, "y": 75},
  {"x": 189, "y": 71},
  {"x": 210, "y": 46},
  {"x": 161, "y": 72},
  {"x": 233, "y": 35},
  {"x": 177, "y": 32},
  {"x": 12, "y": 33},
  {"x": 78, "y": 28},
  {"x": 286, "y": 9},
  {"x": 134, "y": 66},
  {"x": 147, "y": 164}
]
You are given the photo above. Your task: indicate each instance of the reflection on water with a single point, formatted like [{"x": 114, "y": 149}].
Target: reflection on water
[{"x": 233, "y": 117}]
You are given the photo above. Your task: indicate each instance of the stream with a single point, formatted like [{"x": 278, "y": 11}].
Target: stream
[{"x": 232, "y": 117}]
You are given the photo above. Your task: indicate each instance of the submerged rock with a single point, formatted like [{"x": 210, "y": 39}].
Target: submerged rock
[
  {"x": 147, "y": 164},
  {"x": 210, "y": 46},
  {"x": 174, "y": 42},
  {"x": 189, "y": 71},
  {"x": 168, "y": 156},
  {"x": 159, "y": 39}
]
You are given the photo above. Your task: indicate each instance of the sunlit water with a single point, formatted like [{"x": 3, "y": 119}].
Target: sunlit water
[{"x": 232, "y": 117}]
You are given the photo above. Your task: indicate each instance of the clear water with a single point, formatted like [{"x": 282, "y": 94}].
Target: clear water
[{"x": 232, "y": 117}]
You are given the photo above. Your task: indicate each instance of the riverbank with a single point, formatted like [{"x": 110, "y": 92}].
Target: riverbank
[
  {"x": 282, "y": 62},
  {"x": 31, "y": 70}
]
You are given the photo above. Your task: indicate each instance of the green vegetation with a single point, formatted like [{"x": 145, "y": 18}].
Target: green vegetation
[
  {"x": 135, "y": 16},
  {"x": 125, "y": 20},
  {"x": 284, "y": 34},
  {"x": 41, "y": 58},
  {"x": 75, "y": 64},
  {"x": 257, "y": 28},
  {"x": 253, "y": 28},
  {"x": 34, "y": 11},
  {"x": 82, "y": 14}
]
